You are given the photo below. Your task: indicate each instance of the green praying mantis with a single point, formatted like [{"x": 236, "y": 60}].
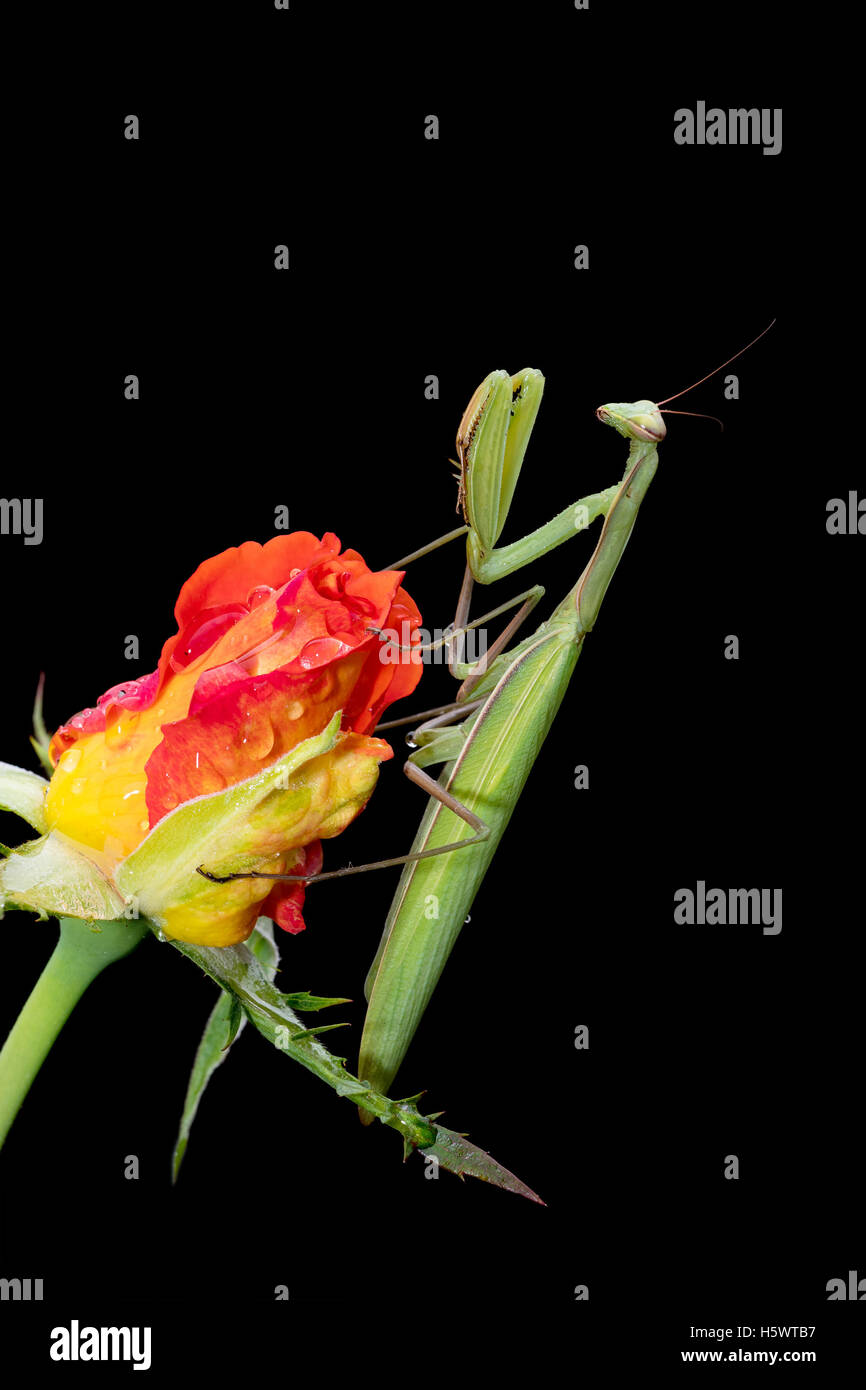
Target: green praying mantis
[
  {"x": 489, "y": 737},
  {"x": 506, "y": 703}
]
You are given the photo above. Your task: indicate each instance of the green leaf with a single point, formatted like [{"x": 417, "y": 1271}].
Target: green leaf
[
  {"x": 238, "y": 971},
  {"x": 235, "y": 1019},
  {"x": 225, "y": 1024},
  {"x": 51, "y": 876},
  {"x": 23, "y": 793},
  {"x": 454, "y": 1152},
  {"x": 323, "y": 1028},
  {"x": 311, "y": 1003},
  {"x": 210, "y": 1055},
  {"x": 207, "y": 831}
]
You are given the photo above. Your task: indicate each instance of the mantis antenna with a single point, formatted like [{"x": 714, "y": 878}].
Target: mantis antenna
[{"x": 713, "y": 373}]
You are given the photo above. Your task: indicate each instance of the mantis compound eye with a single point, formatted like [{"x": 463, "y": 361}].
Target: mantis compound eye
[{"x": 649, "y": 425}]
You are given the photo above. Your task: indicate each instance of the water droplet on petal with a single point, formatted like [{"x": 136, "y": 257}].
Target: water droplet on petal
[
  {"x": 203, "y": 633},
  {"x": 257, "y": 738},
  {"x": 161, "y": 936},
  {"x": 77, "y": 787},
  {"x": 258, "y": 595},
  {"x": 70, "y": 760},
  {"x": 320, "y": 651}
]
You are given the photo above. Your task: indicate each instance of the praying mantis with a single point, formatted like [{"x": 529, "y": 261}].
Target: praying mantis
[
  {"x": 506, "y": 710},
  {"x": 490, "y": 736}
]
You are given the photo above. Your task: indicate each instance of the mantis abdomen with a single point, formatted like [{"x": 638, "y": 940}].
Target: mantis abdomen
[{"x": 434, "y": 895}]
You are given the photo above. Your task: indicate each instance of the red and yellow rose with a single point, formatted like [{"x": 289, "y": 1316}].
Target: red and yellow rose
[{"x": 273, "y": 642}]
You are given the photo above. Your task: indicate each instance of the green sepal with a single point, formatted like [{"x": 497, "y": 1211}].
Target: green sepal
[
  {"x": 23, "y": 793},
  {"x": 161, "y": 870},
  {"x": 42, "y": 754},
  {"x": 40, "y": 739},
  {"x": 51, "y": 876}
]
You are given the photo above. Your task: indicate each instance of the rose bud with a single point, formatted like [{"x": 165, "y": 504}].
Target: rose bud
[{"x": 248, "y": 745}]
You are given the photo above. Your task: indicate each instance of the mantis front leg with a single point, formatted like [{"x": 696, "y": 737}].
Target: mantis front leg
[{"x": 491, "y": 444}]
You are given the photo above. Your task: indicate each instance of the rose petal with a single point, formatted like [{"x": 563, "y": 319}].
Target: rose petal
[
  {"x": 284, "y": 904},
  {"x": 246, "y": 727}
]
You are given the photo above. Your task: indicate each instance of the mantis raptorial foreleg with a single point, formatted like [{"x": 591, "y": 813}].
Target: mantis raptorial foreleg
[{"x": 491, "y": 443}]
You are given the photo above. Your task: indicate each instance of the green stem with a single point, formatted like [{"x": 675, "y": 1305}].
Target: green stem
[
  {"x": 79, "y": 956},
  {"x": 241, "y": 974}
]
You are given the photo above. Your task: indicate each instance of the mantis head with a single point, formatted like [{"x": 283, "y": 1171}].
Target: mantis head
[
  {"x": 634, "y": 419},
  {"x": 491, "y": 443}
]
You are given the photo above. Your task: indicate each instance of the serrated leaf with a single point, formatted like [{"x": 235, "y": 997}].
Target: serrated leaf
[
  {"x": 323, "y": 1028},
  {"x": 23, "y": 793},
  {"x": 225, "y": 1024},
  {"x": 454, "y": 1152},
  {"x": 311, "y": 1003}
]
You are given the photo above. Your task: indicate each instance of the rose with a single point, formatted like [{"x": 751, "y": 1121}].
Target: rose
[{"x": 273, "y": 642}]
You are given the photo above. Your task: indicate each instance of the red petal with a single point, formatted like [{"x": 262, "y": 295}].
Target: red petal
[
  {"x": 381, "y": 683},
  {"x": 242, "y": 730},
  {"x": 285, "y": 901},
  {"x": 230, "y": 576}
]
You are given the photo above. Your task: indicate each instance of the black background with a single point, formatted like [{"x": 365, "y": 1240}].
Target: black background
[{"x": 259, "y": 388}]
